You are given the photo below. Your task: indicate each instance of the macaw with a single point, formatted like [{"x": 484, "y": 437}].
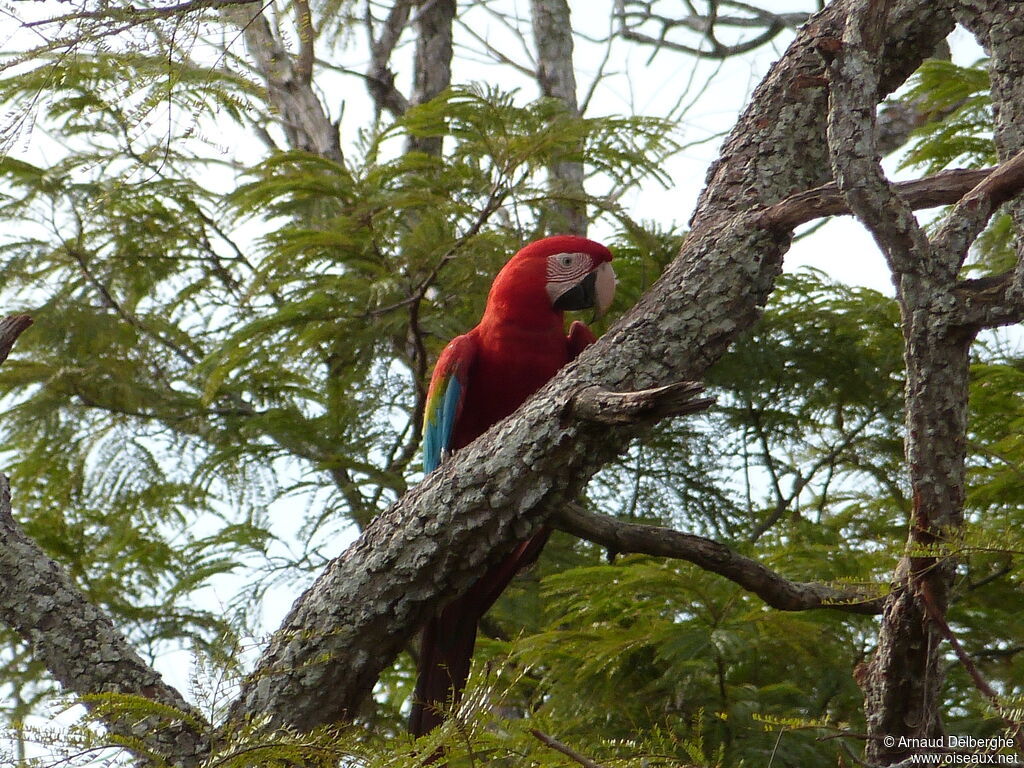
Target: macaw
[{"x": 480, "y": 378}]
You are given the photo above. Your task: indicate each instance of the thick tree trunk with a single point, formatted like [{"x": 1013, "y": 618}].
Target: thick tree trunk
[
  {"x": 903, "y": 682},
  {"x": 433, "y": 73},
  {"x": 904, "y": 679},
  {"x": 556, "y": 75}
]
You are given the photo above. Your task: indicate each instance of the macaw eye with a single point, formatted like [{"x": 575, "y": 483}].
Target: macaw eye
[{"x": 567, "y": 266}]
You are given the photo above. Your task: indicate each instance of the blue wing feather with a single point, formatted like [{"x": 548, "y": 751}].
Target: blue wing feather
[
  {"x": 445, "y": 398},
  {"x": 437, "y": 437}
]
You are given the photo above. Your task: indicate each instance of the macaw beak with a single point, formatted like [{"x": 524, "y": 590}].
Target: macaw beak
[
  {"x": 596, "y": 290},
  {"x": 604, "y": 287}
]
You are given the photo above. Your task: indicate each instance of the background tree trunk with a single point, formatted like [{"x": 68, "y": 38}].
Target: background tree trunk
[
  {"x": 433, "y": 66},
  {"x": 556, "y": 75}
]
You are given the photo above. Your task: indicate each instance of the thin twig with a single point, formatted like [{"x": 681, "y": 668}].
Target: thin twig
[
  {"x": 141, "y": 15},
  {"x": 569, "y": 752}
]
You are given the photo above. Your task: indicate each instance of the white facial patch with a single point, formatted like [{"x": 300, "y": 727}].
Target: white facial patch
[{"x": 564, "y": 271}]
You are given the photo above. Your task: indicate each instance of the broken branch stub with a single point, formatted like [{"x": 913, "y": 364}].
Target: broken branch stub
[{"x": 626, "y": 408}]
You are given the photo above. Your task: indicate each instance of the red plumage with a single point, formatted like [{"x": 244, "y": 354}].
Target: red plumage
[{"x": 519, "y": 344}]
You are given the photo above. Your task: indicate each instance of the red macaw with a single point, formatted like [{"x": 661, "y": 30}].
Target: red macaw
[{"x": 480, "y": 378}]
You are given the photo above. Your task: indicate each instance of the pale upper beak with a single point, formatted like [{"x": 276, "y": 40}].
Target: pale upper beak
[{"x": 604, "y": 287}]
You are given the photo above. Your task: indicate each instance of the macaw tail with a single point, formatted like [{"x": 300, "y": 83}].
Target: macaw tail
[{"x": 446, "y": 647}]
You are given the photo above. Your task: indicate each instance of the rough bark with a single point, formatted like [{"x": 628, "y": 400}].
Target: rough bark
[
  {"x": 777, "y": 591},
  {"x": 80, "y": 646},
  {"x": 441, "y": 536},
  {"x": 903, "y": 681},
  {"x": 496, "y": 492},
  {"x": 11, "y": 327},
  {"x": 556, "y": 76},
  {"x": 83, "y": 650},
  {"x": 942, "y": 188},
  {"x": 999, "y": 27},
  {"x": 433, "y": 72},
  {"x": 288, "y": 78},
  {"x": 748, "y": 173}
]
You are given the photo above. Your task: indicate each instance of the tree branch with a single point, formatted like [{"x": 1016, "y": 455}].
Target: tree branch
[
  {"x": 980, "y": 683},
  {"x": 997, "y": 25},
  {"x": 944, "y": 188},
  {"x": 380, "y": 80},
  {"x": 634, "y": 14},
  {"x": 76, "y": 641},
  {"x": 138, "y": 15},
  {"x": 777, "y": 591},
  {"x": 853, "y": 79},
  {"x": 603, "y": 407},
  {"x": 303, "y": 117},
  {"x": 11, "y": 327},
  {"x": 307, "y": 39},
  {"x": 971, "y": 214},
  {"x": 83, "y": 650},
  {"x": 569, "y": 752},
  {"x": 989, "y": 302}
]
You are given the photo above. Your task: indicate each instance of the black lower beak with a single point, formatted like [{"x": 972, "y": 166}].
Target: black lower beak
[{"x": 583, "y": 295}]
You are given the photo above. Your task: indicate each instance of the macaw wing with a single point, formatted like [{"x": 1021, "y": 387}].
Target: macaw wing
[
  {"x": 445, "y": 397},
  {"x": 580, "y": 337}
]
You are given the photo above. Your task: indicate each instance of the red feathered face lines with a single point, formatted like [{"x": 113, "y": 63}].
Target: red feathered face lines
[{"x": 575, "y": 281}]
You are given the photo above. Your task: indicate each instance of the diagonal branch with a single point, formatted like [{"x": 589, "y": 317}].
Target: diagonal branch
[
  {"x": 853, "y": 84},
  {"x": 136, "y": 14},
  {"x": 11, "y": 327},
  {"x": 621, "y": 408},
  {"x": 776, "y": 590},
  {"x": 77, "y": 642},
  {"x": 971, "y": 214},
  {"x": 989, "y": 302},
  {"x": 82, "y": 648},
  {"x": 566, "y": 750}
]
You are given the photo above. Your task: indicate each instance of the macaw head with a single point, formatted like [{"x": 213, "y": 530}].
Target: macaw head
[{"x": 558, "y": 273}]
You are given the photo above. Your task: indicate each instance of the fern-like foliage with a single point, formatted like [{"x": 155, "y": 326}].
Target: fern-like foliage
[
  {"x": 959, "y": 132},
  {"x": 202, "y": 362},
  {"x": 959, "y": 105}
]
